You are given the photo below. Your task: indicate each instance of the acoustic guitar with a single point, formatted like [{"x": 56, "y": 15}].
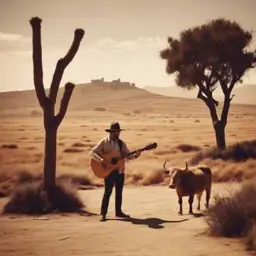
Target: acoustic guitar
[{"x": 114, "y": 160}]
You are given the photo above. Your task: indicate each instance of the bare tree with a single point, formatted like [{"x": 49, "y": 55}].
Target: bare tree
[
  {"x": 214, "y": 54},
  {"x": 47, "y": 102}
]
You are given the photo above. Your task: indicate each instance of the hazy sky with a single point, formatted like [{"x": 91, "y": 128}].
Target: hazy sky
[{"x": 123, "y": 37}]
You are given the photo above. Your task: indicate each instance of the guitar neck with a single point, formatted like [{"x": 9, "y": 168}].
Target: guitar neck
[
  {"x": 148, "y": 147},
  {"x": 130, "y": 153}
]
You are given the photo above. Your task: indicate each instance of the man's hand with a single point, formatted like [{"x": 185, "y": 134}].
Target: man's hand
[
  {"x": 103, "y": 164},
  {"x": 137, "y": 154}
]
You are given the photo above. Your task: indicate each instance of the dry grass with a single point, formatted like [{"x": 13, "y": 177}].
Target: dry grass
[
  {"x": 99, "y": 109},
  {"x": 145, "y": 178},
  {"x": 83, "y": 128},
  {"x": 188, "y": 148},
  {"x": 79, "y": 145},
  {"x": 237, "y": 152},
  {"x": 10, "y": 146},
  {"x": 8, "y": 182},
  {"x": 73, "y": 150},
  {"x": 30, "y": 199},
  {"x": 251, "y": 237},
  {"x": 235, "y": 215}
]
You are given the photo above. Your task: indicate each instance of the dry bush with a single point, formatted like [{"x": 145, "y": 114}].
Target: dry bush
[
  {"x": 30, "y": 199},
  {"x": 99, "y": 109},
  {"x": 81, "y": 180},
  {"x": 36, "y": 113},
  {"x": 187, "y": 148},
  {"x": 6, "y": 188},
  {"x": 224, "y": 171},
  {"x": 10, "y": 146},
  {"x": 137, "y": 111},
  {"x": 197, "y": 121},
  {"x": 237, "y": 152},
  {"x": 226, "y": 217},
  {"x": 145, "y": 178},
  {"x": 234, "y": 215},
  {"x": 31, "y": 148},
  {"x": 24, "y": 176},
  {"x": 153, "y": 177},
  {"x": 133, "y": 178},
  {"x": 79, "y": 145},
  {"x": 8, "y": 182},
  {"x": 250, "y": 239},
  {"x": 73, "y": 150},
  {"x": 165, "y": 152}
]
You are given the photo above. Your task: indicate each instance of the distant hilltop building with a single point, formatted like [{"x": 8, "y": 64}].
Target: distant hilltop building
[
  {"x": 116, "y": 82},
  {"x": 97, "y": 80}
]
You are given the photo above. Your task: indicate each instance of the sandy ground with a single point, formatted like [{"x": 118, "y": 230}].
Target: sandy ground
[{"x": 155, "y": 228}]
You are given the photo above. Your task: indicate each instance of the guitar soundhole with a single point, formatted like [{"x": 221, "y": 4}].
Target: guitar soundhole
[{"x": 114, "y": 160}]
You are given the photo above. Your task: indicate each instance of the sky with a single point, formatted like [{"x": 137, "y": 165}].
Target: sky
[{"x": 122, "y": 39}]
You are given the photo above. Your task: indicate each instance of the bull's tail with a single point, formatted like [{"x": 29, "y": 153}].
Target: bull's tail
[
  {"x": 206, "y": 170},
  {"x": 208, "y": 173}
]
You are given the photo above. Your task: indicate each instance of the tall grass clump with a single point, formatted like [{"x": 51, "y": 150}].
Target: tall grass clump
[
  {"x": 29, "y": 198},
  {"x": 238, "y": 152},
  {"x": 235, "y": 215},
  {"x": 187, "y": 148}
]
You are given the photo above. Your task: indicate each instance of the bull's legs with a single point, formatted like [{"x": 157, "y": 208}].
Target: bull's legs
[
  {"x": 190, "y": 201},
  {"x": 199, "y": 200},
  {"x": 180, "y": 203},
  {"x": 208, "y": 195}
]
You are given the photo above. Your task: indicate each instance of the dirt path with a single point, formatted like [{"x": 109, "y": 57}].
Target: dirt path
[{"x": 154, "y": 229}]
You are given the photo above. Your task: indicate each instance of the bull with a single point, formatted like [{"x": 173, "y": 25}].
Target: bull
[{"x": 190, "y": 181}]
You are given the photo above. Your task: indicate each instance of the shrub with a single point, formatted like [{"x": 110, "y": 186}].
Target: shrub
[
  {"x": 226, "y": 217},
  {"x": 79, "y": 145},
  {"x": 82, "y": 180},
  {"x": 10, "y": 146},
  {"x": 237, "y": 152},
  {"x": 137, "y": 111},
  {"x": 30, "y": 199},
  {"x": 187, "y": 148},
  {"x": 235, "y": 215},
  {"x": 73, "y": 150},
  {"x": 251, "y": 237},
  {"x": 99, "y": 109},
  {"x": 36, "y": 113}
]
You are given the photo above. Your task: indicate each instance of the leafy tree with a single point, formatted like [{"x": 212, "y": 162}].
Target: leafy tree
[{"x": 211, "y": 55}]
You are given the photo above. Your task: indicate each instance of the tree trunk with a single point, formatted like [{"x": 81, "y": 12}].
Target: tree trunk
[
  {"x": 50, "y": 157},
  {"x": 219, "y": 128}
]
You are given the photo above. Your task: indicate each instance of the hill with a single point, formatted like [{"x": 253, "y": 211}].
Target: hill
[
  {"x": 244, "y": 94},
  {"x": 120, "y": 97}
]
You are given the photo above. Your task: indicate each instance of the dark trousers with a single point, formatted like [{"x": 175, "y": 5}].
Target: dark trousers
[{"x": 113, "y": 179}]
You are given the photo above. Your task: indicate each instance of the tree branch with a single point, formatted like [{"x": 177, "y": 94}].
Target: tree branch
[
  {"x": 232, "y": 84},
  {"x": 69, "y": 87},
  {"x": 210, "y": 102},
  {"x": 63, "y": 63},
  {"x": 225, "y": 110},
  {"x": 37, "y": 60},
  {"x": 201, "y": 96}
]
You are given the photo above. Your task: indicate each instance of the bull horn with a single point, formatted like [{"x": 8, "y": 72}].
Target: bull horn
[
  {"x": 186, "y": 167},
  {"x": 164, "y": 165}
]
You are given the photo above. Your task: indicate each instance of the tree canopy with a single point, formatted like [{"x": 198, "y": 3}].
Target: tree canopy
[
  {"x": 211, "y": 55},
  {"x": 208, "y": 54}
]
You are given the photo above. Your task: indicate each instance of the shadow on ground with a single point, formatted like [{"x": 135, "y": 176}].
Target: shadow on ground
[{"x": 155, "y": 223}]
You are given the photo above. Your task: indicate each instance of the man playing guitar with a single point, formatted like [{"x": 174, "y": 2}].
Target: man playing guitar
[{"x": 114, "y": 169}]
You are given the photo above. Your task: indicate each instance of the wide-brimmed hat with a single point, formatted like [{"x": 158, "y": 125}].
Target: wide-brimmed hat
[{"x": 114, "y": 127}]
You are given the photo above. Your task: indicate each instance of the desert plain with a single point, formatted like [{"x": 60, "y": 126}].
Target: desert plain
[{"x": 181, "y": 127}]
